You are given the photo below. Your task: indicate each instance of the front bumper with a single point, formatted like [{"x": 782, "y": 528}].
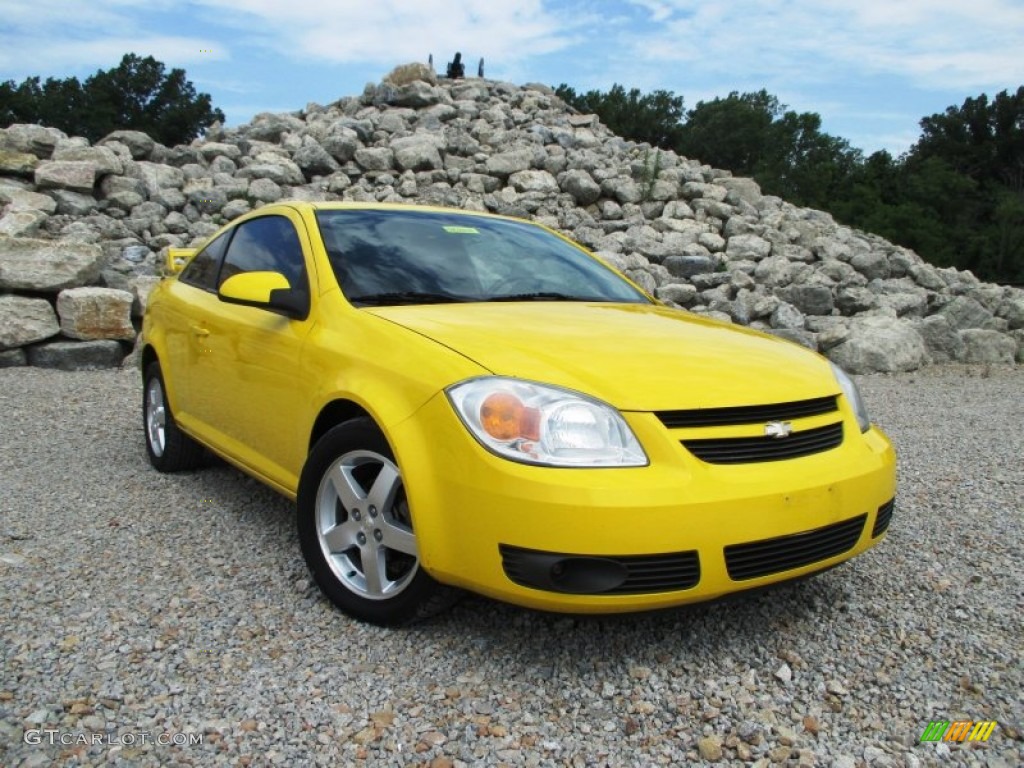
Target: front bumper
[{"x": 627, "y": 539}]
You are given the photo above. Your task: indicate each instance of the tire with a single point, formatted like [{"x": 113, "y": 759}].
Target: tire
[
  {"x": 356, "y": 533},
  {"x": 169, "y": 449}
]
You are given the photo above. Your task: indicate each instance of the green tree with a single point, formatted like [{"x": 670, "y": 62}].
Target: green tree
[
  {"x": 653, "y": 118},
  {"x": 752, "y": 134},
  {"x": 137, "y": 95},
  {"x": 734, "y": 133},
  {"x": 979, "y": 198}
]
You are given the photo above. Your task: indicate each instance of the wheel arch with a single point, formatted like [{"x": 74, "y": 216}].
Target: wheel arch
[
  {"x": 149, "y": 356},
  {"x": 336, "y": 412}
]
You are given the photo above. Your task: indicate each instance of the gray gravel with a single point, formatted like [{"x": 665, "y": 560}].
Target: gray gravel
[{"x": 141, "y": 607}]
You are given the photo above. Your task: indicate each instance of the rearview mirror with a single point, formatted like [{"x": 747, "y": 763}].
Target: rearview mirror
[{"x": 264, "y": 290}]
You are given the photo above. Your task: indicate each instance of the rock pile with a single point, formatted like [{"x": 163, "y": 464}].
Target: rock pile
[{"x": 84, "y": 228}]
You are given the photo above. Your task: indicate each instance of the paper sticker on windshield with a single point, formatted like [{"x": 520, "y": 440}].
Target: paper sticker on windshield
[{"x": 462, "y": 230}]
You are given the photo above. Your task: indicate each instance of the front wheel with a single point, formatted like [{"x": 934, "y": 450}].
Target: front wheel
[
  {"x": 169, "y": 449},
  {"x": 356, "y": 530}
]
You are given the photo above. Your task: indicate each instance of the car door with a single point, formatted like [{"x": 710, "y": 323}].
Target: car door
[{"x": 248, "y": 389}]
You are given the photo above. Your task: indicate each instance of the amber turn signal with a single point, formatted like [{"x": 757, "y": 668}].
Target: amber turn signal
[{"x": 504, "y": 417}]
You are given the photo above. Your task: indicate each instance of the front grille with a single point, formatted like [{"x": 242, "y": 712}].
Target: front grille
[
  {"x": 635, "y": 574},
  {"x": 761, "y": 558},
  {"x": 744, "y": 450},
  {"x": 883, "y": 518},
  {"x": 747, "y": 414}
]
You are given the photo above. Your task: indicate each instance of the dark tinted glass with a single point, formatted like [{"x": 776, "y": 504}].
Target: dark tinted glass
[
  {"x": 378, "y": 252},
  {"x": 267, "y": 244},
  {"x": 201, "y": 271}
]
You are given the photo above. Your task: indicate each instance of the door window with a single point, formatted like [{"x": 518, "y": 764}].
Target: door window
[{"x": 269, "y": 243}]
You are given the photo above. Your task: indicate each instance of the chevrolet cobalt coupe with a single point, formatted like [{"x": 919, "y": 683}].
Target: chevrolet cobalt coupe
[{"x": 466, "y": 401}]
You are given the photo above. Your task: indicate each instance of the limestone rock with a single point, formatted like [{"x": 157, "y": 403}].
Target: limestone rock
[
  {"x": 17, "y": 163},
  {"x": 981, "y": 346},
  {"x": 1012, "y": 310},
  {"x": 21, "y": 223},
  {"x": 25, "y": 321},
  {"x": 505, "y": 164},
  {"x": 375, "y": 158},
  {"x": 76, "y": 355},
  {"x": 74, "y": 175},
  {"x": 103, "y": 160},
  {"x": 944, "y": 344},
  {"x": 28, "y": 264},
  {"x": 155, "y": 176},
  {"x": 23, "y": 200},
  {"x": 416, "y": 153},
  {"x": 31, "y": 139},
  {"x": 268, "y": 126},
  {"x": 12, "y": 358},
  {"x": 95, "y": 313},
  {"x": 140, "y": 287},
  {"x": 748, "y": 246},
  {"x": 880, "y": 344},
  {"x": 534, "y": 181},
  {"x": 139, "y": 144},
  {"x": 314, "y": 160},
  {"x": 809, "y": 299},
  {"x": 410, "y": 73},
  {"x": 581, "y": 186}
]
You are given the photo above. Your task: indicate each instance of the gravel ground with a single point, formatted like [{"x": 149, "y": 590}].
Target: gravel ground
[{"x": 147, "y": 609}]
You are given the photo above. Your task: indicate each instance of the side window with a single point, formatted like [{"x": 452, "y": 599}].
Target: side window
[
  {"x": 202, "y": 270},
  {"x": 270, "y": 244}
]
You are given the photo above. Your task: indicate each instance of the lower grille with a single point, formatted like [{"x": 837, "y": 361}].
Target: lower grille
[
  {"x": 883, "y": 518},
  {"x": 762, "y": 558},
  {"x": 600, "y": 574},
  {"x": 745, "y": 450}
]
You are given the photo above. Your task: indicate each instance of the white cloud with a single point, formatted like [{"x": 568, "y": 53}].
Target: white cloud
[
  {"x": 932, "y": 43},
  {"x": 392, "y": 31}
]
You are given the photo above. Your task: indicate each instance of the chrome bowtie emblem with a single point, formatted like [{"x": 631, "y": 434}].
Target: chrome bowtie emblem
[{"x": 778, "y": 429}]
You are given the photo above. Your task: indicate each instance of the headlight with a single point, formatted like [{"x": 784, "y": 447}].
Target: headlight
[
  {"x": 853, "y": 396},
  {"x": 539, "y": 424}
]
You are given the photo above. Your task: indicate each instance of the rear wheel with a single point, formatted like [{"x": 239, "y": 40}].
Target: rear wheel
[
  {"x": 356, "y": 530},
  {"x": 169, "y": 449}
]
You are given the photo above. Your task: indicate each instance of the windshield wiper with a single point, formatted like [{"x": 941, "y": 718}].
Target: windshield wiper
[
  {"x": 407, "y": 297},
  {"x": 543, "y": 296}
]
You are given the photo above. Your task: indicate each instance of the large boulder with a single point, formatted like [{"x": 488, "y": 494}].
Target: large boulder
[
  {"x": 504, "y": 164},
  {"x": 76, "y": 355},
  {"x": 271, "y": 166},
  {"x": 983, "y": 346},
  {"x": 880, "y": 345},
  {"x": 31, "y": 139},
  {"x": 139, "y": 144},
  {"x": 417, "y": 153},
  {"x": 964, "y": 312},
  {"x": 103, "y": 160},
  {"x": 944, "y": 344},
  {"x": 28, "y": 264},
  {"x": 156, "y": 176},
  {"x": 25, "y": 321},
  {"x": 17, "y": 163},
  {"x": 96, "y": 313},
  {"x": 73, "y": 175}
]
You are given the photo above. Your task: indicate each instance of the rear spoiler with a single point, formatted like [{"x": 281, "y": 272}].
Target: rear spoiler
[{"x": 177, "y": 258}]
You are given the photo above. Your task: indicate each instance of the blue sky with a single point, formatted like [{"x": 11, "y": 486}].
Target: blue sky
[{"x": 871, "y": 68}]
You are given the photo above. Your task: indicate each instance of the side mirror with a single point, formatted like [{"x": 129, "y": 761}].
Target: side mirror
[{"x": 265, "y": 290}]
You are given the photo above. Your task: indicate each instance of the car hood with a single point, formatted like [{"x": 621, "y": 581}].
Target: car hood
[{"x": 637, "y": 357}]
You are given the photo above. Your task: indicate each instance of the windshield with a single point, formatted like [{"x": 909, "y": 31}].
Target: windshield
[{"x": 385, "y": 257}]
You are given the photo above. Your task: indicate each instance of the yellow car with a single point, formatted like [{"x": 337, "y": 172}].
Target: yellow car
[{"x": 465, "y": 401}]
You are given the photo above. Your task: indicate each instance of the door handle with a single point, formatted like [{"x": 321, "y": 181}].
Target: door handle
[{"x": 200, "y": 331}]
